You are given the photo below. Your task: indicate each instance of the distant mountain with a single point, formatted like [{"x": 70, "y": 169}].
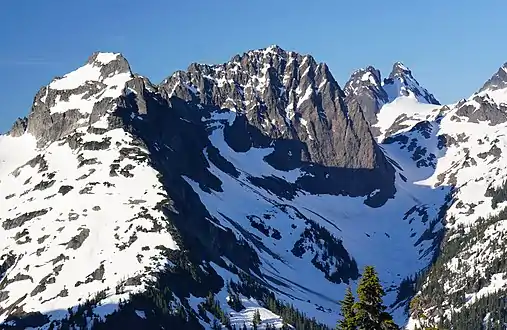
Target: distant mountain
[
  {"x": 372, "y": 93},
  {"x": 257, "y": 184}
]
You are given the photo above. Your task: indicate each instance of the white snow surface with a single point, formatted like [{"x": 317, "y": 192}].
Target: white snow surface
[
  {"x": 15, "y": 151},
  {"x": 370, "y": 235},
  {"x": 97, "y": 86},
  {"x": 403, "y": 106},
  {"x": 107, "y": 211},
  {"x": 106, "y": 58},
  {"x": 468, "y": 165}
]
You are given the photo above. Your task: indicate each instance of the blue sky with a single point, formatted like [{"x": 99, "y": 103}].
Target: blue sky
[{"x": 452, "y": 46}]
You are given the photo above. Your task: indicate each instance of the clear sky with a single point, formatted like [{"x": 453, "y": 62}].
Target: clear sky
[{"x": 452, "y": 46}]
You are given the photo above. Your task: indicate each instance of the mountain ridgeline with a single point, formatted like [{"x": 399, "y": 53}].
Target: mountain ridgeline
[
  {"x": 292, "y": 103},
  {"x": 245, "y": 195}
]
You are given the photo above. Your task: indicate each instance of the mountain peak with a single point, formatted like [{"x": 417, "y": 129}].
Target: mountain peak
[
  {"x": 274, "y": 48},
  {"x": 367, "y": 88},
  {"x": 69, "y": 101},
  {"x": 99, "y": 67},
  {"x": 365, "y": 85},
  {"x": 362, "y": 77},
  {"x": 115, "y": 60},
  {"x": 399, "y": 69},
  {"x": 252, "y": 73},
  {"x": 284, "y": 95},
  {"x": 103, "y": 57},
  {"x": 497, "y": 81},
  {"x": 401, "y": 82}
]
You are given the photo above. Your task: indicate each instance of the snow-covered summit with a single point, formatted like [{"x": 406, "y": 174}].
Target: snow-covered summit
[
  {"x": 106, "y": 68},
  {"x": 80, "y": 97},
  {"x": 372, "y": 93},
  {"x": 401, "y": 82}
]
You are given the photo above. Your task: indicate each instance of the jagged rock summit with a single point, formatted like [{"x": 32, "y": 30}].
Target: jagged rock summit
[
  {"x": 285, "y": 96},
  {"x": 401, "y": 82},
  {"x": 365, "y": 85},
  {"x": 489, "y": 103},
  {"x": 372, "y": 93},
  {"x": 497, "y": 81},
  {"x": 289, "y": 101}
]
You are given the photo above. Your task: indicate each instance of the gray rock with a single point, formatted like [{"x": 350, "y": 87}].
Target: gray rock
[
  {"x": 78, "y": 240},
  {"x": 397, "y": 125},
  {"x": 85, "y": 176},
  {"x": 488, "y": 111},
  {"x": 63, "y": 293},
  {"x": 4, "y": 295},
  {"x": 49, "y": 128},
  {"x": 61, "y": 257},
  {"x": 119, "y": 65},
  {"x": 336, "y": 134},
  {"x": 41, "y": 287},
  {"x": 97, "y": 145},
  {"x": 365, "y": 85},
  {"x": 19, "y": 127},
  {"x": 41, "y": 239},
  {"x": 497, "y": 81},
  {"x": 64, "y": 190},
  {"x": 97, "y": 275},
  {"x": 43, "y": 185},
  {"x": 20, "y": 220},
  {"x": 7, "y": 261}
]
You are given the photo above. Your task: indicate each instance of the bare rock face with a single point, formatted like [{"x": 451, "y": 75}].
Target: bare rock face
[
  {"x": 285, "y": 96},
  {"x": 483, "y": 109},
  {"x": 365, "y": 85},
  {"x": 497, "y": 81},
  {"x": 19, "y": 127}
]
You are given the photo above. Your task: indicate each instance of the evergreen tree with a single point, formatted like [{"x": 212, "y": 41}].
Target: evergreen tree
[
  {"x": 370, "y": 310},
  {"x": 348, "y": 321},
  {"x": 257, "y": 318}
]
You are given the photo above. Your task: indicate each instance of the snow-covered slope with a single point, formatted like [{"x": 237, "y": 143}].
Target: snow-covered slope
[
  {"x": 252, "y": 185},
  {"x": 79, "y": 214},
  {"x": 460, "y": 146}
]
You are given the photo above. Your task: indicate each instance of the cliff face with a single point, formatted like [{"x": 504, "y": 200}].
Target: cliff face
[{"x": 286, "y": 96}]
